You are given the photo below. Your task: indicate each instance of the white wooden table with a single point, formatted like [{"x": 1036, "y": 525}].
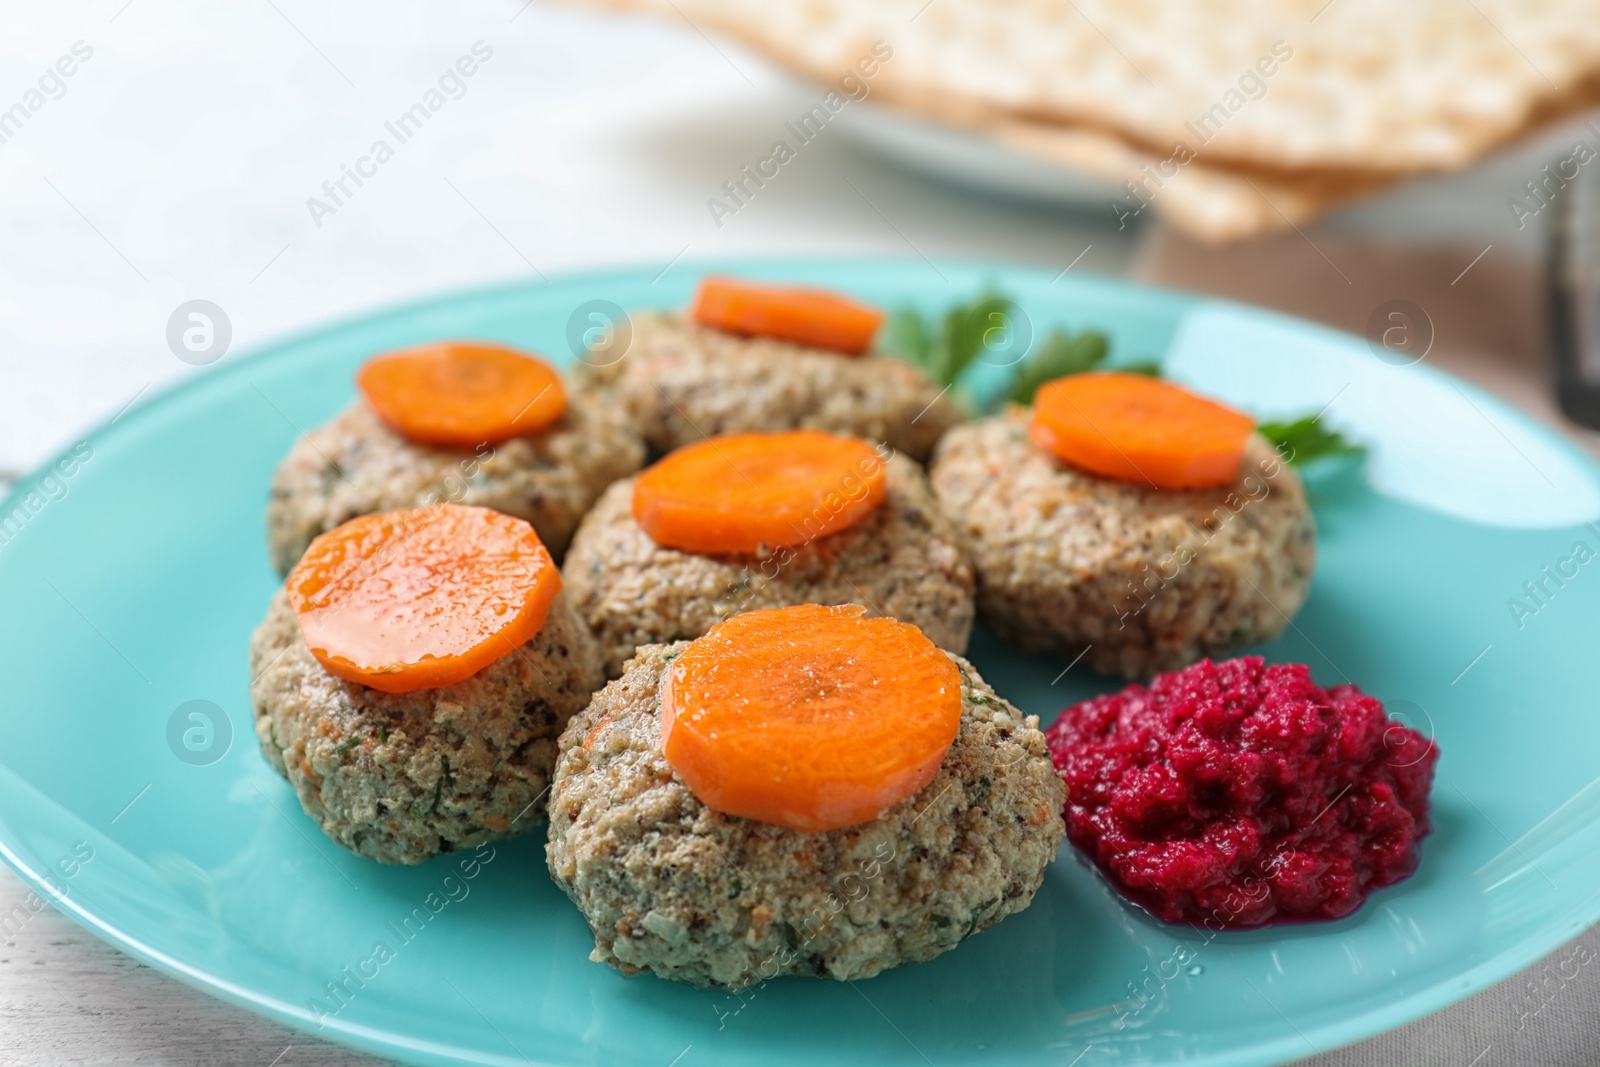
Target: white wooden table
[{"x": 177, "y": 164}]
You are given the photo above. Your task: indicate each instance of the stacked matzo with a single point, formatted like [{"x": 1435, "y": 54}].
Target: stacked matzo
[{"x": 1360, "y": 94}]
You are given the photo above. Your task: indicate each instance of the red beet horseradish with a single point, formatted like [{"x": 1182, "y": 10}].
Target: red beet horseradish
[{"x": 1237, "y": 793}]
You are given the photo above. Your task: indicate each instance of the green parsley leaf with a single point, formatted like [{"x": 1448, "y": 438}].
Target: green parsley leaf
[
  {"x": 943, "y": 352},
  {"x": 968, "y": 329},
  {"x": 1059, "y": 354},
  {"x": 1304, "y": 439},
  {"x": 908, "y": 336}
]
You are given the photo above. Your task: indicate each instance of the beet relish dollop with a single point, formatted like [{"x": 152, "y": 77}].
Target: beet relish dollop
[{"x": 1237, "y": 793}]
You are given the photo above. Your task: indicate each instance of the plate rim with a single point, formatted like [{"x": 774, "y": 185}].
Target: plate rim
[{"x": 1323, "y": 1038}]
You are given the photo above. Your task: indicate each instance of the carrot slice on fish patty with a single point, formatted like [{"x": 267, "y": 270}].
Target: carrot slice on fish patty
[
  {"x": 458, "y": 394},
  {"x": 421, "y": 598},
  {"x": 812, "y": 317},
  {"x": 809, "y": 717},
  {"x": 1140, "y": 429},
  {"x": 740, "y": 493}
]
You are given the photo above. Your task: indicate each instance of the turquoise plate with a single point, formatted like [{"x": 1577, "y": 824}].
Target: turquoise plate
[{"x": 1455, "y": 581}]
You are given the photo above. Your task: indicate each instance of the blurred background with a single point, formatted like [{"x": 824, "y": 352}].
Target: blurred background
[
  {"x": 154, "y": 153},
  {"x": 177, "y": 161}
]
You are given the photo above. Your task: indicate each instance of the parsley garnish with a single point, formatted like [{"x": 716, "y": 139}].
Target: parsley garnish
[
  {"x": 945, "y": 350},
  {"x": 1058, "y": 355},
  {"x": 1302, "y": 440}
]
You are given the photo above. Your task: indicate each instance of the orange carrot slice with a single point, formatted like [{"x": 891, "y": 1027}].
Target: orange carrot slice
[
  {"x": 809, "y": 717},
  {"x": 1140, "y": 429},
  {"x": 422, "y": 598},
  {"x": 459, "y": 394},
  {"x": 741, "y": 493},
  {"x": 813, "y": 317}
]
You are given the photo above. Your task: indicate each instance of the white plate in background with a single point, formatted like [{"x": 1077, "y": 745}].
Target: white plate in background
[
  {"x": 967, "y": 158},
  {"x": 1463, "y": 206}
]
